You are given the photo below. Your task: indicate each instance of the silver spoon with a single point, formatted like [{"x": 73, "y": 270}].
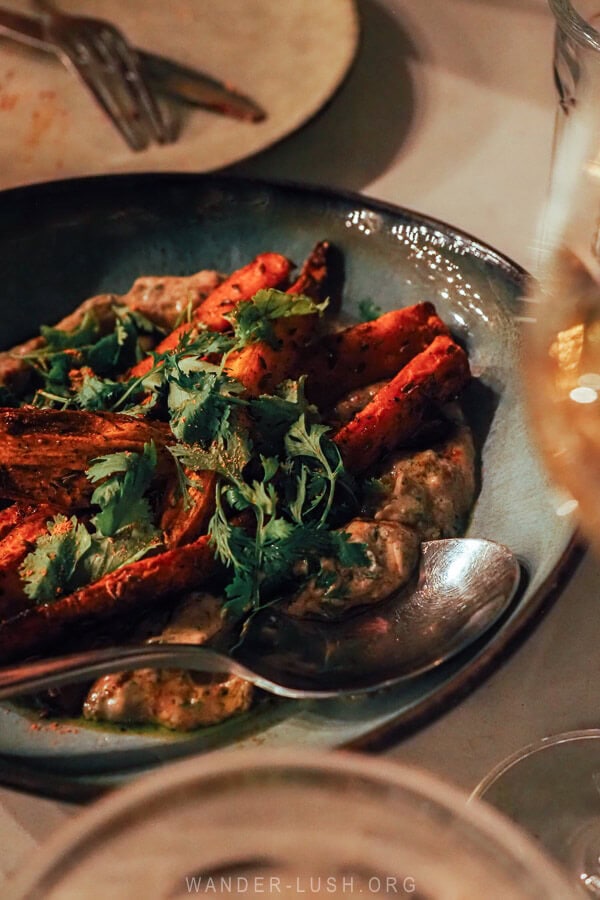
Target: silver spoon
[{"x": 463, "y": 587}]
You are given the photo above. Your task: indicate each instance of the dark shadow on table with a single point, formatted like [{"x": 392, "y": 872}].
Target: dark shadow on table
[{"x": 357, "y": 135}]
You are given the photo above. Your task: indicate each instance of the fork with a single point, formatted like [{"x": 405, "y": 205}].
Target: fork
[{"x": 99, "y": 54}]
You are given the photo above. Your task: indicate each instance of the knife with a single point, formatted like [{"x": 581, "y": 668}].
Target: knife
[{"x": 167, "y": 76}]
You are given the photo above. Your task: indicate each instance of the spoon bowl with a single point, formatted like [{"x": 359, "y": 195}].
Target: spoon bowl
[{"x": 462, "y": 588}]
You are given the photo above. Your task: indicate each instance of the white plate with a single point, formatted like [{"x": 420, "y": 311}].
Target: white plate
[{"x": 288, "y": 55}]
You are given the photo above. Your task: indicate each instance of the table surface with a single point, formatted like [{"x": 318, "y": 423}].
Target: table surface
[{"x": 448, "y": 110}]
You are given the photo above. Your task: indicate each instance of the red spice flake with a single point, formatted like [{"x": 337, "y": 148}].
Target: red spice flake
[
  {"x": 59, "y": 728},
  {"x": 63, "y": 527}
]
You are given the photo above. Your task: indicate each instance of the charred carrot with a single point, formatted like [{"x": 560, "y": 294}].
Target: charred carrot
[
  {"x": 180, "y": 523},
  {"x": 44, "y": 452},
  {"x": 316, "y": 273},
  {"x": 267, "y": 270},
  {"x": 14, "y": 515},
  {"x": 121, "y": 592},
  {"x": 372, "y": 351},
  {"x": 260, "y": 367},
  {"x": 399, "y": 409},
  {"x": 13, "y": 549}
]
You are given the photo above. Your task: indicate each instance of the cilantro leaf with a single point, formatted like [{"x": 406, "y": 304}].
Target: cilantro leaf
[
  {"x": 124, "y": 477},
  {"x": 87, "y": 346},
  {"x": 252, "y": 320},
  {"x": 228, "y": 457},
  {"x": 68, "y": 557},
  {"x": 275, "y": 414},
  {"x": 130, "y": 543},
  {"x": 51, "y": 568},
  {"x": 87, "y": 332},
  {"x": 320, "y": 465},
  {"x": 96, "y": 393},
  {"x": 201, "y": 404},
  {"x": 368, "y": 310}
]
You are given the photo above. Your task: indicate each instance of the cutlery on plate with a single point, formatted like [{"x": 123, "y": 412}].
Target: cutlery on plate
[
  {"x": 165, "y": 75},
  {"x": 463, "y": 587},
  {"x": 100, "y": 56}
]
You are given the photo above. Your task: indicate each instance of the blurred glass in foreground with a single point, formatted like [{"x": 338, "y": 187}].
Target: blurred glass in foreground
[{"x": 268, "y": 824}]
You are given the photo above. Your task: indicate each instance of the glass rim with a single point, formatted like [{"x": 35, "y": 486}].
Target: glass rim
[
  {"x": 565, "y": 737},
  {"x": 417, "y": 785},
  {"x": 573, "y": 25}
]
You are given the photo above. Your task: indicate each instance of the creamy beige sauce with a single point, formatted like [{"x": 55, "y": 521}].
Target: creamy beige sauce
[
  {"x": 431, "y": 491},
  {"x": 417, "y": 496},
  {"x": 172, "y": 698},
  {"x": 392, "y": 551}
]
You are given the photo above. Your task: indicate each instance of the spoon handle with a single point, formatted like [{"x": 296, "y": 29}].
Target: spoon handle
[{"x": 42, "y": 674}]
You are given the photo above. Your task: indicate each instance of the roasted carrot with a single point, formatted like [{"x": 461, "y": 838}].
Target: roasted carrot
[
  {"x": 401, "y": 407},
  {"x": 267, "y": 270},
  {"x": 316, "y": 274},
  {"x": 44, "y": 452},
  {"x": 14, "y": 515},
  {"x": 183, "y": 524},
  {"x": 260, "y": 367},
  {"x": 123, "y": 591},
  {"x": 372, "y": 351}
]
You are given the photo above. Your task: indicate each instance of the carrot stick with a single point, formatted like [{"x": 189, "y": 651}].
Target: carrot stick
[
  {"x": 44, "y": 453},
  {"x": 261, "y": 367},
  {"x": 267, "y": 270},
  {"x": 180, "y": 524},
  {"x": 121, "y": 592},
  {"x": 372, "y": 351},
  {"x": 400, "y": 408},
  {"x": 14, "y": 515},
  {"x": 315, "y": 274}
]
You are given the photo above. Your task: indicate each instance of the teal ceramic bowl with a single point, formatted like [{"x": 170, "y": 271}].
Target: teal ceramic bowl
[{"x": 65, "y": 241}]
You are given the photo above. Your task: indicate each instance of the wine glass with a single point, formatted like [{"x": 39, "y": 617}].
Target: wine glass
[
  {"x": 552, "y": 788},
  {"x": 266, "y": 823}
]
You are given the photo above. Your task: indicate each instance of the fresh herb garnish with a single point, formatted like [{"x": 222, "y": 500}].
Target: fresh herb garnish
[
  {"x": 87, "y": 346},
  {"x": 201, "y": 403},
  {"x": 288, "y": 507},
  {"x": 319, "y": 472},
  {"x": 282, "y": 487},
  {"x": 368, "y": 310},
  {"x": 124, "y": 480},
  {"x": 253, "y": 320},
  {"x": 53, "y": 567},
  {"x": 68, "y": 556}
]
